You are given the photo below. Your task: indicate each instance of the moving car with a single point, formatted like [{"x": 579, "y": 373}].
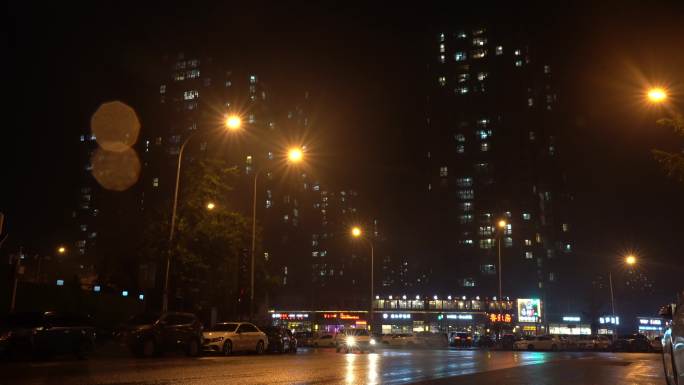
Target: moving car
[
  {"x": 673, "y": 342},
  {"x": 280, "y": 339},
  {"x": 355, "y": 339},
  {"x": 323, "y": 340},
  {"x": 229, "y": 337},
  {"x": 45, "y": 334},
  {"x": 150, "y": 334},
  {"x": 538, "y": 343}
]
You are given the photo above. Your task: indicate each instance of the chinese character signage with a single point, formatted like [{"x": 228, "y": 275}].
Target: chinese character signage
[
  {"x": 529, "y": 310},
  {"x": 505, "y": 318}
]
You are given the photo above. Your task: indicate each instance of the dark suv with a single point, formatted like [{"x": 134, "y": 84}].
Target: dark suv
[
  {"x": 151, "y": 334},
  {"x": 45, "y": 334}
]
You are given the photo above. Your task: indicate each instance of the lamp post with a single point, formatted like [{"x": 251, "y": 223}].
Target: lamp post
[
  {"x": 233, "y": 123},
  {"x": 294, "y": 155},
  {"x": 630, "y": 260},
  {"x": 356, "y": 232},
  {"x": 502, "y": 225}
]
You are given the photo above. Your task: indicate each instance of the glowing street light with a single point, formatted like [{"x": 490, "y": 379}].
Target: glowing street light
[
  {"x": 630, "y": 259},
  {"x": 657, "y": 95},
  {"x": 233, "y": 122},
  {"x": 211, "y": 206},
  {"x": 356, "y": 231},
  {"x": 61, "y": 250},
  {"x": 295, "y": 155},
  {"x": 502, "y": 224}
]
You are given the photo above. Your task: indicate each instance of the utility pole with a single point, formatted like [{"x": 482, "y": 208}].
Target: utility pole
[{"x": 17, "y": 271}]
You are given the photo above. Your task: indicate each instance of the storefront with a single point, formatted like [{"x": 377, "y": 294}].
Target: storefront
[
  {"x": 529, "y": 316},
  {"x": 608, "y": 324},
  {"x": 651, "y": 327},
  {"x": 570, "y": 326},
  {"x": 320, "y": 320}
]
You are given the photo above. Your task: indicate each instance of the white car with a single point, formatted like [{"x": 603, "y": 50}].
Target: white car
[
  {"x": 538, "y": 343},
  {"x": 323, "y": 340},
  {"x": 593, "y": 343},
  {"x": 229, "y": 337},
  {"x": 355, "y": 339}
]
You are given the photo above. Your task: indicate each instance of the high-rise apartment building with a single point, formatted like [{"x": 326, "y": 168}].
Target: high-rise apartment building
[{"x": 491, "y": 155}]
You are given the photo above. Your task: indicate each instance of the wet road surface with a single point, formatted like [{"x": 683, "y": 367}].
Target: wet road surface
[{"x": 324, "y": 366}]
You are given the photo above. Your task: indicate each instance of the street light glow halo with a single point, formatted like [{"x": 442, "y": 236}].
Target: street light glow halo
[
  {"x": 233, "y": 122},
  {"x": 295, "y": 155},
  {"x": 657, "y": 94},
  {"x": 356, "y": 231}
]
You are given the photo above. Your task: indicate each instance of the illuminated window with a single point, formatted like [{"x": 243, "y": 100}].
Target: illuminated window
[
  {"x": 468, "y": 282},
  {"x": 518, "y": 63},
  {"x": 508, "y": 242},
  {"x": 462, "y": 90},
  {"x": 460, "y": 149},
  {"x": 547, "y": 69},
  {"x": 461, "y": 35},
  {"x": 482, "y": 76},
  {"x": 460, "y": 56},
  {"x": 509, "y": 229},
  {"x": 442, "y": 48},
  {"x": 478, "y": 32},
  {"x": 528, "y": 242},
  {"x": 462, "y": 78},
  {"x": 483, "y": 122},
  {"x": 499, "y": 50},
  {"x": 460, "y": 138},
  {"x": 529, "y": 255},
  {"x": 442, "y": 58},
  {"x": 483, "y": 134},
  {"x": 464, "y": 182},
  {"x": 526, "y": 216},
  {"x": 567, "y": 248},
  {"x": 467, "y": 206},
  {"x": 486, "y": 243},
  {"x": 441, "y": 80},
  {"x": 488, "y": 269},
  {"x": 532, "y": 135},
  {"x": 466, "y": 194},
  {"x": 442, "y": 37},
  {"x": 155, "y": 182},
  {"x": 479, "y": 41},
  {"x": 516, "y": 52},
  {"x": 443, "y": 171},
  {"x": 486, "y": 230},
  {"x": 190, "y": 95},
  {"x": 465, "y": 218},
  {"x": 162, "y": 89},
  {"x": 467, "y": 242},
  {"x": 530, "y": 102},
  {"x": 484, "y": 146},
  {"x": 252, "y": 79},
  {"x": 479, "y": 53}
]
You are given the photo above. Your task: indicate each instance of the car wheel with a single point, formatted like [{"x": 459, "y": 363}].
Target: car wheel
[
  {"x": 227, "y": 348},
  {"x": 530, "y": 347},
  {"x": 260, "y": 347},
  {"x": 193, "y": 348}
]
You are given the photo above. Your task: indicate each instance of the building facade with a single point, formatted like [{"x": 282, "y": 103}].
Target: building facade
[{"x": 491, "y": 155}]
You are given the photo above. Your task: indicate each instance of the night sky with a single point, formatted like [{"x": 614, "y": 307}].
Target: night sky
[{"x": 364, "y": 65}]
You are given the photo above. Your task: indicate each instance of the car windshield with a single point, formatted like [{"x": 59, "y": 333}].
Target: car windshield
[
  {"x": 143, "y": 319},
  {"x": 224, "y": 327}
]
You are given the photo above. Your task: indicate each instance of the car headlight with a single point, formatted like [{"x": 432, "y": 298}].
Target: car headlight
[
  {"x": 351, "y": 341},
  {"x": 372, "y": 341}
]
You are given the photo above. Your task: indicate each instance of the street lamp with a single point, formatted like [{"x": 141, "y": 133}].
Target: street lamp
[
  {"x": 356, "y": 232},
  {"x": 61, "y": 250},
  {"x": 502, "y": 225},
  {"x": 211, "y": 206},
  {"x": 656, "y": 95},
  {"x": 233, "y": 122},
  {"x": 629, "y": 260},
  {"x": 294, "y": 155}
]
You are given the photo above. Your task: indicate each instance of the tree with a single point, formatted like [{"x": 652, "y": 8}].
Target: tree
[{"x": 672, "y": 162}]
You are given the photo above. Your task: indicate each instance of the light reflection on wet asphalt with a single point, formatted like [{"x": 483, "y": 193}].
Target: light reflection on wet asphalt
[{"x": 319, "y": 366}]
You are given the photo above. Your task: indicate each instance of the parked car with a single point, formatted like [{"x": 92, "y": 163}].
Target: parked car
[
  {"x": 461, "y": 339},
  {"x": 506, "y": 341},
  {"x": 323, "y": 340},
  {"x": 400, "y": 340},
  {"x": 355, "y": 339},
  {"x": 304, "y": 338},
  {"x": 538, "y": 343},
  {"x": 656, "y": 344},
  {"x": 44, "y": 334},
  {"x": 150, "y": 334},
  {"x": 280, "y": 339},
  {"x": 484, "y": 341},
  {"x": 673, "y": 340},
  {"x": 590, "y": 342},
  {"x": 229, "y": 337},
  {"x": 635, "y": 342},
  {"x": 432, "y": 340}
]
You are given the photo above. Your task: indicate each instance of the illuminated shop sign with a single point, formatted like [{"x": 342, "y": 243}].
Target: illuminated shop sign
[
  {"x": 529, "y": 310},
  {"x": 348, "y": 316},
  {"x": 644, "y": 321},
  {"x": 460, "y": 316},
  {"x": 609, "y": 320},
  {"x": 341, "y": 316},
  {"x": 571, "y": 319},
  {"x": 396, "y": 316},
  {"x": 505, "y": 318},
  {"x": 290, "y": 316},
  {"x": 650, "y": 328}
]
